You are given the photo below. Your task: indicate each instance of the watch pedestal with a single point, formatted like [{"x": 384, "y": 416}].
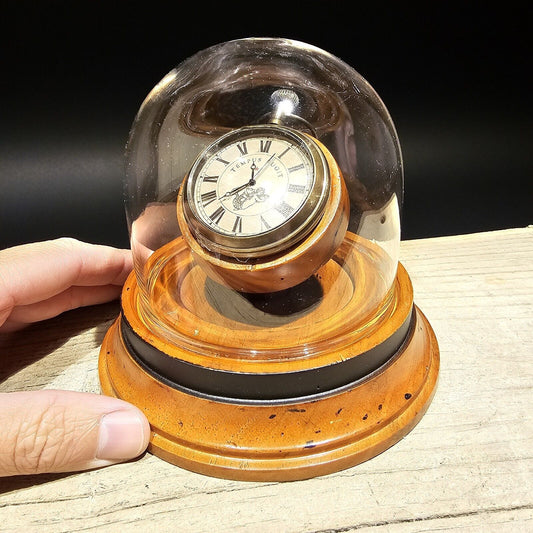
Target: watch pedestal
[
  {"x": 287, "y": 269},
  {"x": 328, "y": 387}
]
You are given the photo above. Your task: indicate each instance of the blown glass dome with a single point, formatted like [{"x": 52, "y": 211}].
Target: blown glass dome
[{"x": 254, "y": 82}]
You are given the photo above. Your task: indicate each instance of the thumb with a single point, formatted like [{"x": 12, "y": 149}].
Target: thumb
[{"x": 64, "y": 431}]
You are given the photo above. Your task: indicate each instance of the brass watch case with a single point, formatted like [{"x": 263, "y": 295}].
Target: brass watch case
[{"x": 281, "y": 237}]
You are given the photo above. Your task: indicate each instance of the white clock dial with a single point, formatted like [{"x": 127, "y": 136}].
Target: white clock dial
[{"x": 256, "y": 190}]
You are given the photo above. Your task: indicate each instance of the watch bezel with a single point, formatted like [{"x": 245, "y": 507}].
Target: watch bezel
[{"x": 277, "y": 239}]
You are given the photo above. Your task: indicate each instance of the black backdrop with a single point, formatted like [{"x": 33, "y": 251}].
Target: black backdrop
[{"x": 454, "y": 78}]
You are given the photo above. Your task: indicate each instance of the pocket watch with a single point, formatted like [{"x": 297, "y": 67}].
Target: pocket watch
[
  {"x": 256, "y": 191},
  {"x": 253, "y": 198}
]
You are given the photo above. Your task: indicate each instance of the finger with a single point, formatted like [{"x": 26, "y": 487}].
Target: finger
[
  {"x": 38, "y": 271},
  {"x": 72, "y": 298},
  {"x": 63, "y": 431}
]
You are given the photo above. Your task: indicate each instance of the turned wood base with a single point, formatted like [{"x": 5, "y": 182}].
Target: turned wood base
[
  {"x": 280, "y": 441},
  {"x": 344, "y": 403}
]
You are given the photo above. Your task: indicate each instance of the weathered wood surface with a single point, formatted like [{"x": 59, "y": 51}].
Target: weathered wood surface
[{"x": 467, "y": 466}]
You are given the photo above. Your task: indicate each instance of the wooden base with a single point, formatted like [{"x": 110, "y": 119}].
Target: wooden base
[
  {"x": 279, "y": 441},
  {"x": 309, "y": 431}
]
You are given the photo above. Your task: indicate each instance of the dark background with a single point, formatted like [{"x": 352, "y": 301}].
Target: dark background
[{"x": 455, "y": 79}]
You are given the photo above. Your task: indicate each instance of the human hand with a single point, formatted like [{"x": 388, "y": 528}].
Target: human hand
[{"x": 62, "y": 431}]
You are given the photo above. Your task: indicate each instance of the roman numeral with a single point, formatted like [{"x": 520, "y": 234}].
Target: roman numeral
[
  {"x": 264, "y": 224},
  {"x": 222, "y": 160},
  {"x": 208, "y": 197},
  {"x": 284, "y": 152},
  {"x": 237, "y": 226},
  {"x": 264, "y": 146},
  {"x": 284, "y": 209},
  {"x": 217, "y": 215},
  {"x": 296, "y": 167},
  {"x": 299, "y": 189},
  {"x": 242, "y": 148},
  {"x": 211, "y": 179}
]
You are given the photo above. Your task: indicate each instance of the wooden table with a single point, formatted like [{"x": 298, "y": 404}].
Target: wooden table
[{"x": 468, "y": 464}]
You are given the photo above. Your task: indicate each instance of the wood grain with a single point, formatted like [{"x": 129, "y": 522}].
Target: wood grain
[{"x": 468, "y": 465}]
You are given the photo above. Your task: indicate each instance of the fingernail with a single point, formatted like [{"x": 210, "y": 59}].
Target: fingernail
[{"x": 121, "y": 436}]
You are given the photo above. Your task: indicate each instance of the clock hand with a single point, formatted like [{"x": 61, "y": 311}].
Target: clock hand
[
  {"x": 235, "y": 191},
  {"x": 263, "y": 167},
  {"x": 252, "y": 179},
  {"x": 250, "y": 183}
]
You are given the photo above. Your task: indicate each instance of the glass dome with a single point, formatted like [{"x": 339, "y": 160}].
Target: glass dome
[{"x": 187, "y": 300}]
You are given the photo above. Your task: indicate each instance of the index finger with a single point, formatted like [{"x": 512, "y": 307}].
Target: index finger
[{"x": 34, "y": 272}]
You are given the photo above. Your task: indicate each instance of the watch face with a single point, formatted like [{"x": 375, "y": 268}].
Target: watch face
[{"x": 256, "y": 191}]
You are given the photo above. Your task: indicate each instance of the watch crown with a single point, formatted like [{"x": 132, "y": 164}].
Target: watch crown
[{"x": 285, "y": 102}]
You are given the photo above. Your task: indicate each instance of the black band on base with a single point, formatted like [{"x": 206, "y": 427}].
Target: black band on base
[{"x": 244, "y": 387}]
